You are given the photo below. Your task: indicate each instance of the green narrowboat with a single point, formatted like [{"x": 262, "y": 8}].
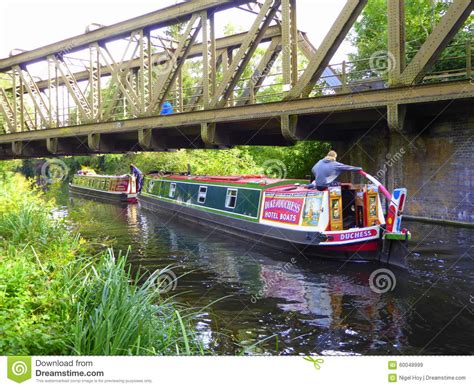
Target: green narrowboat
[
  {"x": 341, "y": 222},
  {"x": 118, "y": 188}
]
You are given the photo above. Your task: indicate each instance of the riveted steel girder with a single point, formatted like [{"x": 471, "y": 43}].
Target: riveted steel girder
[
  {"x": 261, "y": 71},
  {"x": 8, "y": 113},
  {"x": 245, "y": 52},
  {"x": 333, "y": 103},
  {"x": 227, "y": 42},
  {"x": 396, "y": 40},
  {"x": 164, "y": 17},
  {"x": 439, "y": 38},
  {"x": 326, "y": 50},
  {"x": 169, "y": 76}
]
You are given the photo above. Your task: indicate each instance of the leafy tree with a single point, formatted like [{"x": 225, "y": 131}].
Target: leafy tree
[{"x": 369, "y": 35}]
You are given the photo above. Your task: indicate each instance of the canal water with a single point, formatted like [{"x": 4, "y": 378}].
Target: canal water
[{"x": 260, "y": 301}]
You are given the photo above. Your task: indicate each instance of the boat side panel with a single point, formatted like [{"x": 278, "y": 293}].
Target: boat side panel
[
  {"x": 122, "y": 184},
  {"x": 247, "y": 204},
  {"x": 284, "y": 239},
  {"x": 103, "y": 195}
]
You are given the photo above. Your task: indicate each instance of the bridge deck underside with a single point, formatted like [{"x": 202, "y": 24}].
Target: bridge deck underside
[{"x": 331, "y": 118}]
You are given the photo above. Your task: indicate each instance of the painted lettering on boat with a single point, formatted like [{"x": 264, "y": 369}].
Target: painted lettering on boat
[
  {"x": 354, "y": 235},
  {"x": 284, "y": 210},
  {"x": 120, "y": 185}
]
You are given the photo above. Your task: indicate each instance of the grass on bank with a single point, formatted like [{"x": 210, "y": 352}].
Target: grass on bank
[{"x": 57, "y": 299}]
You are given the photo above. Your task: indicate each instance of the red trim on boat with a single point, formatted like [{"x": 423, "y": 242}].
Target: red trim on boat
[{"x": 357, "y": 247}]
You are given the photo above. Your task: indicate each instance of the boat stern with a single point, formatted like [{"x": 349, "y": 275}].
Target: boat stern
[{"x": 395, "y": 238}]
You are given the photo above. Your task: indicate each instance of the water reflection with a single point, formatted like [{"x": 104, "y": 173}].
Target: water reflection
[{"x": 311, "y": 306}]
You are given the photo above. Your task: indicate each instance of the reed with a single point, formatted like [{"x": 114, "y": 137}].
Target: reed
[{"x": 116, "y": 316}]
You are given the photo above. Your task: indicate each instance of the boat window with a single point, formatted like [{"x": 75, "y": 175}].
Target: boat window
[
  {"x": 202, "y": 194},
  {"x": 172, "y": 190},
  {"x": 231, "y": 198}
]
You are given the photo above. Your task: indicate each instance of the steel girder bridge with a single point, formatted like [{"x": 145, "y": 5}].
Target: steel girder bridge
[{"x": 102, "y": 91}]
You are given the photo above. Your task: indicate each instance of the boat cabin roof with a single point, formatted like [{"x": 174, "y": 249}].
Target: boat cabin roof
[
  {"x": 250, "y": 179},
  {"x": 94, "y": 175},
  {"x": 292, "y": 188},
  {"x": 266, "y": 183}
]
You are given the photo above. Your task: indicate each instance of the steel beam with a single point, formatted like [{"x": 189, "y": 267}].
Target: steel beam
[
  {"x": 39, "y": 103},
  {"x": 164, "y": 17},
  {"x": 396, "y": 117},
  {"x": 165, "y": 81},
  {"x": 289, "y": 44},
  {"x": 22, "y": 116},
  {"x": 245, "y": 52},
  {"x": 17, "y": 148},
  {"x": 120, "y": 73},
  {"x": 145, "y": 72},
  {"x": 8, "y": 113},
  {"x": 228, "y": 42},
  {"x": 96, "y": 143},
  {"x": 72, "y": 86},
  {"x": 332, "y": 103},
  {"x": 208, "y": 58},
  {"x": 148, "y": 140},
  {"x": 288, "y": 128},
  {"x": 396, "y": 40},
  {"x": 197, "y": 97},
  {"x": 439, "y": 38},
  {"x": 211, "y": 137},
  {"x": 94, "y": 83},
  {"x": 262, "y": 70},
  {"x": 328, "y": 47}
]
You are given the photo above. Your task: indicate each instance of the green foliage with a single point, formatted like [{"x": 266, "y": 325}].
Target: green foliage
[
  {"x": 33, "y": 250},
  {"x": 56, "y": 299},
  {"x": 297, "y": 159},
  {"x": 369, "y": 34},
  {"x": 115, "y": 317}
]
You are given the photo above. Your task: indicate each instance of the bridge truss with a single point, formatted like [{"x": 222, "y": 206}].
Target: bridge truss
[{"x": 103, "y": 91}]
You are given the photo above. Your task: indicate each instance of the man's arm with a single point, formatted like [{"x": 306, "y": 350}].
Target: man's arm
[{"x": 345, "y": 167}]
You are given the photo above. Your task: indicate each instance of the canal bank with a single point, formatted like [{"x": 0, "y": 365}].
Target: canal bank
[{"x": 58, "y": 297}]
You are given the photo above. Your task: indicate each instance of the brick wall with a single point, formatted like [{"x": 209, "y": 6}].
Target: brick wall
[
  {"x": 434, "y": 162},
  {"x": 439, "y": 172}
]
